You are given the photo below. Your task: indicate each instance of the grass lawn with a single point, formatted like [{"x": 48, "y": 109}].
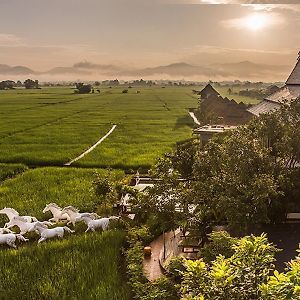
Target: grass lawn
[{"x": 81, "y": 266}]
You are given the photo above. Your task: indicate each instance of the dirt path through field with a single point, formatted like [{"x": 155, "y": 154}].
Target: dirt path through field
[
  {"x": 92, "y": 148},
  {"x": 194, "y": 118}
]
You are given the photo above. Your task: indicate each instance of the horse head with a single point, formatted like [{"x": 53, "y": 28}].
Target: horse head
[
  {"x": 10, "y": 212},
  {"x": 49, "y": 206},
  {"x": 114, "y": 218}
]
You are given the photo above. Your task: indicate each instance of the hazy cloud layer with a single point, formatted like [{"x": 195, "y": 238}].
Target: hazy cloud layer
[{"x": 149, "y": 38}]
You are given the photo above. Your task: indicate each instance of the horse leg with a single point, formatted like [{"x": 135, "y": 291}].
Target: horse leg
[
  {"x": 88, "y": 229},
  {"x": 11, "y": 244},
  {"x": 41, "y": 240}
]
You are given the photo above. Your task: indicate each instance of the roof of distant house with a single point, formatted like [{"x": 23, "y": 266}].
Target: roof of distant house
[
  {"x": 285, "y": 94},
  {"x": 294, "y": 78},
  {"x": 207, "y": 91},
  {"x": 263, "y": 107},
  {"x": 288, "y": 93}
]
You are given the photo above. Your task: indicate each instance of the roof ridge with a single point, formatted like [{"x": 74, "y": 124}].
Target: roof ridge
[{"x": 294, "y": 78}]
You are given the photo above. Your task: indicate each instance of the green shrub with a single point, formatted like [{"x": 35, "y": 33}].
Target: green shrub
[{"x": 220, "y": 243}]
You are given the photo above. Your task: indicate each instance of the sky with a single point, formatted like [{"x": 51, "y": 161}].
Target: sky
[{"x": 134, "y": 34}]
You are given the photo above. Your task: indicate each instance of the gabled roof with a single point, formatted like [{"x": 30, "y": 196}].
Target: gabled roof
[
  {"x": 208, "y": 91},
  {"x": 263, "y": 107},
  {"x": 285, "y": 94},
  {"x": 294, "y": 78}
]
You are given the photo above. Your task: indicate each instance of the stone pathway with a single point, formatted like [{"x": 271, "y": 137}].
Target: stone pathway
[{"x": 151, "y": 265}]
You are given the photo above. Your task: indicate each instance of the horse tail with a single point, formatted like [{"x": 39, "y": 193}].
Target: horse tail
[
  {"x": 68, "y": 229},
  {"x": 21, "y": 238}
]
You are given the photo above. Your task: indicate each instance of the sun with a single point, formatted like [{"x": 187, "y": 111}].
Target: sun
[{"x": 256, "y": 22}]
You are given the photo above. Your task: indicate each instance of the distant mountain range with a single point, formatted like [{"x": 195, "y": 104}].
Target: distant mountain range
[{"x": 245, "y": 70}]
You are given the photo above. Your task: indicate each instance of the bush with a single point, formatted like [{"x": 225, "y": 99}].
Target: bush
[{"x": 220, "y": 243}]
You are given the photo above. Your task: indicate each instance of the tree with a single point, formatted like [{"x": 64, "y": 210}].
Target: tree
[
  {"x": 83, "y": 88},
  {"x": 238, "y": 277},
  {"x": 31, "y": 84},
  {"x": 7, "y": 85}
]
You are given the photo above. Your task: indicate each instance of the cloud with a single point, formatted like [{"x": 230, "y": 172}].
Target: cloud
[
  {"x": 7, "y": 39},
  {"x": 250, "y": 2}
]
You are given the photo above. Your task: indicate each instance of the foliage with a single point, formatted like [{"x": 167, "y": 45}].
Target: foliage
[
  {"x": 7, "y": 85},
  {"x": 220, "y": 243},
  {"x": 241, "y": 178},
  {"x": 140, "y": 234},
  {"x": 31, "y": 84},
  {"x": 11, "y": 170},
  {"x": 283, "y": 286},
  {"x": 83, "y": 88},
  {"x": 236, "y": 277},
  {"x": 176, "y": 267},
  {"x": 236, "y": 179}
]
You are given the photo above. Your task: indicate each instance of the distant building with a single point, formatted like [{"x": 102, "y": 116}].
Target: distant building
[
  {"x": 222, "y": 110},
  {"x": 207, "y": 92},
  {"x": 288, "y": 93},
  {"x": 206, "y": 132}
]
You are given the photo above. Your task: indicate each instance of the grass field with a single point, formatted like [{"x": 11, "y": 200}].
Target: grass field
[
  {"x": 81, "y": 266},
  {"x": 85, "y": 266},
  {"x": 52, "y": 126},
  {"x": 31, "y": 191}
]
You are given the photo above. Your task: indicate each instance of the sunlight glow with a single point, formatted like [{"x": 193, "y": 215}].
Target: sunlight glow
[{"x": 256, "y": 21}]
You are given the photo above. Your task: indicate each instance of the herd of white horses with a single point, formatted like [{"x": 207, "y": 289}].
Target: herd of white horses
[{"x": 27, "y": 224}]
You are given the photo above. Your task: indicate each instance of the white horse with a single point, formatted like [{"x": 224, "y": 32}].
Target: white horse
[
  {"x": 57, "y": 213},
  {"x": 10, "y": 213},
  {"x": 10, "y": 239},
  {"x": 5, "y": 230},
  {"x": 74, "y": 214},
  {"x": 51, "y": 233},
  {"x": 93, "y": 224},
  {"x": 26, "y": 226}
]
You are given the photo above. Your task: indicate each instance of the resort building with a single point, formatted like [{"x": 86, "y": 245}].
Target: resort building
[{"x": 288, "y": 93}]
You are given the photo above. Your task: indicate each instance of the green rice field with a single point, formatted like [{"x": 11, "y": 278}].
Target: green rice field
[
  {"x": 52, "y": 126},
  {"x": 80, "y": 266}
]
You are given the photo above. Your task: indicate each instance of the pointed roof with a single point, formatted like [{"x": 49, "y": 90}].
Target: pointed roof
[
  {"x": 294, "y": 78},
  {"x": 208, "y": 91}
]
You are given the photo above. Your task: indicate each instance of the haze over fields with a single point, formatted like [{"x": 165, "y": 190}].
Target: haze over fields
[{"x": 161, "y": 39}]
